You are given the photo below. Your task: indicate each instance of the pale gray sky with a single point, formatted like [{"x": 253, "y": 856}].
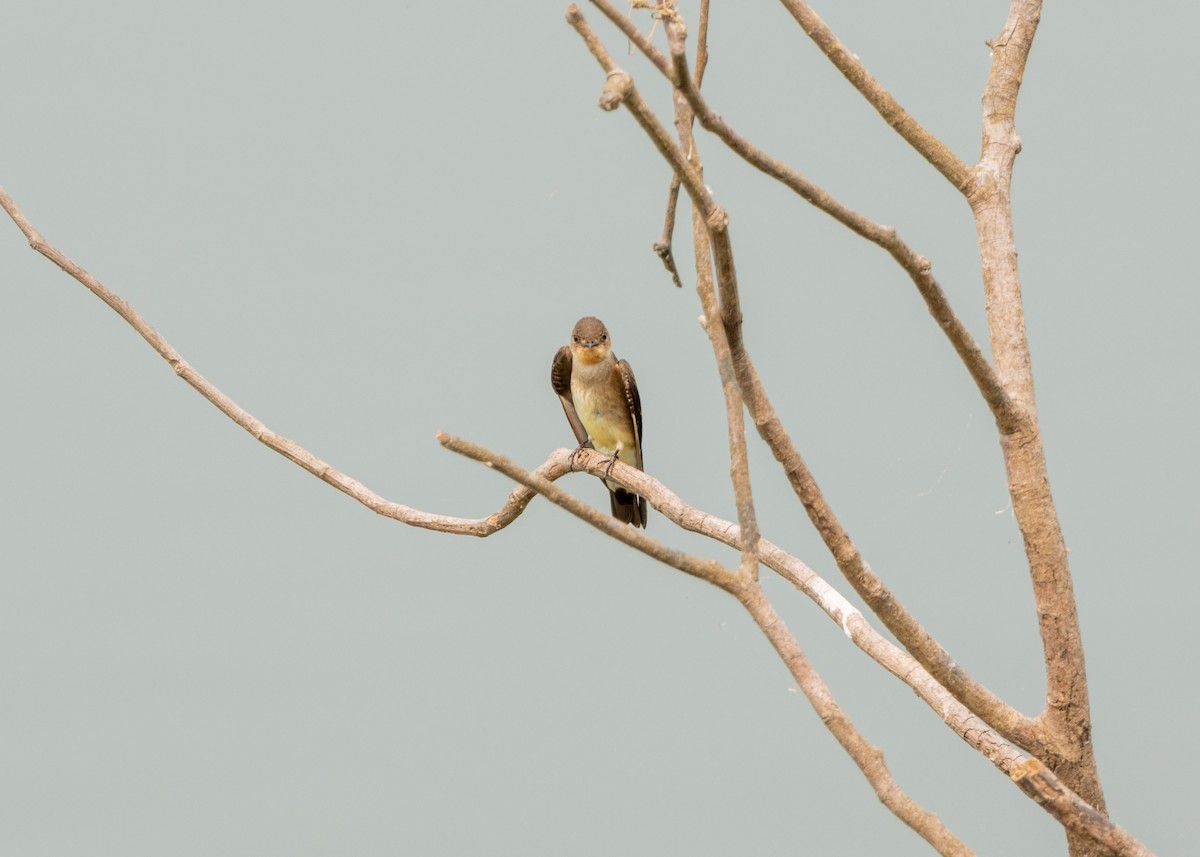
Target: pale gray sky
[{"x": 343, "y": 214}]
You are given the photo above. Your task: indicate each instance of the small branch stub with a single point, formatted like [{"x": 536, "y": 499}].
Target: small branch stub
[
  {"x": 662, "y": 249},
  {"x": 616, "y": 86}
]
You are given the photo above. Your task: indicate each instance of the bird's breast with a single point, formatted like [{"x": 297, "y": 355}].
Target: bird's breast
[{"x": 600, "y": 402}]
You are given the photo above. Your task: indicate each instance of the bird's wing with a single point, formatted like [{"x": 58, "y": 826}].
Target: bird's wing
[
  {"x": 560, "y": 380},
  {"x": 633, "y": 507},
  {"x": 634, "y": 402}
]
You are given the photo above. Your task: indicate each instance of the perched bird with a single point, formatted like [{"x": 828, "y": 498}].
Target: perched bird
[{"x": 600, "y": 398}]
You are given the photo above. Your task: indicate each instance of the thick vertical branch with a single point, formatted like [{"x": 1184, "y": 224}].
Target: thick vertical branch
[{"x": 1066, "y": 720}]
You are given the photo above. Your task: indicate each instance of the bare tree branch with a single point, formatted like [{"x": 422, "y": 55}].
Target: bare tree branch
[
  {"x": 289, "y": 449},
  {"x": 1067, "y": 716},
  {"x": 929, "y": 146},
  {"x": 1066, "y": 784},
  {"x": 619, "y": 89},
  {"x": 701, "y": 45},
  {"x": 866, "y": 756},
  {"x": 716, "y": 221},
  {"x": 1031, "y": 776},
  {"x": 1045, "y": 787},
  {"x": 707, "y": 570},
  {"x": 739, "y": 464},
  {"x": 1079, "y": 817},
  {"x": 663, "y": 247},
  {"x": 539, "y": 481},
  {"x": 899, "y": 621},
  {"x": 918, "y": 268},
  {"x": 746, "y": 589}
]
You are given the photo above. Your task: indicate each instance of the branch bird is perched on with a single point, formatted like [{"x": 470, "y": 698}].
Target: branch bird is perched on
[{"x": 600, "y": 398}]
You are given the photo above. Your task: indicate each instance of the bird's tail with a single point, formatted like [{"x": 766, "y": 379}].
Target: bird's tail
[{"x": 628, "y": 508}]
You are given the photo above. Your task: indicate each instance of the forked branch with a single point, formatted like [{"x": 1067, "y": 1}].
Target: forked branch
[
  {"x": 917, "y": 267},
  {"x": 853, "y": 565},
  {"x": 1065, "y": 723},
  {"x": 746, "y": 589},
  {"x": 852, "y": 68},
  {"x": 716, "y": 222},
  {"x": 1057, "y": 799},
  {"x": 1032, "y": 777}
]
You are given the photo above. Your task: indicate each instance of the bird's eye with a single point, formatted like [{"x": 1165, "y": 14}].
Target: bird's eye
[
  {"x": 576, "y": 338},
  {"x": 604, "y": 337}
]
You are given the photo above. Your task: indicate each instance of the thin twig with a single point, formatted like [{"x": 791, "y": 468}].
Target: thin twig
[
  {"x": 662, "y": 247},
  {"x": 928, "y": 145}
]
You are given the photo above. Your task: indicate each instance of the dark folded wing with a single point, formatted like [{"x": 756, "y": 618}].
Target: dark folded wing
[
  {"x": 560, "y": 380},
  {"x": 634, "y": 401}
]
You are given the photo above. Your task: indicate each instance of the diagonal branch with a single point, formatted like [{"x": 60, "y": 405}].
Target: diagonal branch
[
  {"x": 865, "y": 755},
  {"x": 286, "y": 447},
  {"x": 618, "y": 89},
  {"x": 746, "y": 589},
  {"x": 557, "y": 465},
  {"x": 739, "y": 462},
  {"x": 704, "y": 569},
  {"x": 918, "y": 268},
  {"x": 1055, "y": 798},
  {"x": 928, "y": 145},
  {"x": 907, "y": 629},
  {"x": 1033, "y": 778},
  {"x": 1065, "y": 724},
  {"x": 735, "y": 420}
]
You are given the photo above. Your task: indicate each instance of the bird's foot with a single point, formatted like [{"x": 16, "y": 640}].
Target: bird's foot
[{"x": 571, "y": 460}]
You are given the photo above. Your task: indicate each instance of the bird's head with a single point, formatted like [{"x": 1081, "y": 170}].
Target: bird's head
[{"x": 590, "y": 342}]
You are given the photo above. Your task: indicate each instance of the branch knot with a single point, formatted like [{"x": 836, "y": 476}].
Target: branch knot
[
  {"x": 718, "y": 220},
  {"x": 616, "y": 86}
]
